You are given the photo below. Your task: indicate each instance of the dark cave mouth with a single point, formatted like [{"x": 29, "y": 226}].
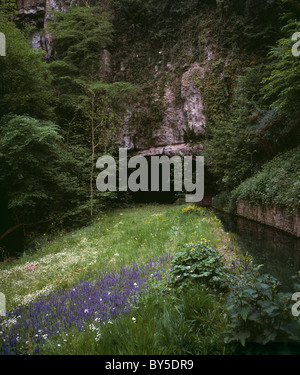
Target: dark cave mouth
[
  {"x": 160, "y": 197},
  {"x": 171, "y": 196}
]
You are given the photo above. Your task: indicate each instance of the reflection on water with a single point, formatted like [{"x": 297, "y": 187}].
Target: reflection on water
[{"x": 277, "y": 251}]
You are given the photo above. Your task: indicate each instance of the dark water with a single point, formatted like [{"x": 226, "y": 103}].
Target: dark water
[{"x": 277, "y": 251}]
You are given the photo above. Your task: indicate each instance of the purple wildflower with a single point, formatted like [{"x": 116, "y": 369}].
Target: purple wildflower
[{"x": 103, "y": 297}]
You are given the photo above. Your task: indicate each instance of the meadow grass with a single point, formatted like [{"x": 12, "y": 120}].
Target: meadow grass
[
  {"x": 115, "y": 239},
  {"x": 163, "y": 324},
  {"x": 112, "y": 241}
]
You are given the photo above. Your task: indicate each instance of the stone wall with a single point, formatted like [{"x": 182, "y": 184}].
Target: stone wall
[{"x": 273, "y": 216}]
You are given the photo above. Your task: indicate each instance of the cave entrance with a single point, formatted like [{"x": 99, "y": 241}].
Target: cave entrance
[
  {"x": 160, "y": 196},
  {"x": 170, "y": 197}
]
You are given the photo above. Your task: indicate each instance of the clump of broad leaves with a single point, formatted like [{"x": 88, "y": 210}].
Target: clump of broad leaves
[{"x": 261, "y": 318}]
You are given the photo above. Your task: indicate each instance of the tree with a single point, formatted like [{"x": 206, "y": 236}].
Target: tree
[
  {"x": 41, "y": 180},
  {"x": 102, "y": 123},
  {"x": 8, "y": 8},
  {"x": 24, "y": 76},
  {"x": 104, "y": 119},
  {"x": 289, "y": 10},
  {"x": 80, "y": 36},
  {"x": 282, "y": 87}
]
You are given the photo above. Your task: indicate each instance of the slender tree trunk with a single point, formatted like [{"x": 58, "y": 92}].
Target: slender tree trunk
[
  {"x": 8, "y": 231},
  {"x": 13, "y": 228},
  {"x": 93, "y": 154}
]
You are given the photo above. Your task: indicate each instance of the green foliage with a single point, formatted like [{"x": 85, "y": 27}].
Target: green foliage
[
  {"x": 24, "y": 76},
  {"x": 163, "y": 20},
  {"x": 80, "y": 36},
  {"x": 229, "y": 146},
  {"x": 224, "y": 201},
  {"x": 281, "y": 88},
  {"x": 259, "y": 313},
  {"x": 86, "y": 101},
  {"x": 198, "y": 262},
  {"x": 249, "y": 118},
  {"x": 251, "y": 133},
  {"x": 276, "y": 183},
  {"x": 289, "y": 10},
  {"x": 215, "y": 87},
  {"x": 39, "y": 176},
  {"x": 261, "y": 24},
  {"x": 164, "y": 323},
  {"x": 8, "y": 8}
]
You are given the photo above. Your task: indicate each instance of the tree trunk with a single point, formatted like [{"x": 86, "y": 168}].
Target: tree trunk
[{"x": 93, "y": 155}]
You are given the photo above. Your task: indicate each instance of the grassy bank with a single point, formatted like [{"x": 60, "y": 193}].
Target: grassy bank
[
  {"x": 110, "y": 243},
  {"x": 115, "y": 239}
]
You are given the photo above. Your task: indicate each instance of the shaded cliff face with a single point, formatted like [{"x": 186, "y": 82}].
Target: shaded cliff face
[
  {"x": 181, "y": 127},
  {"x": 165, "y": 118},
  {"x": 182, "y": 116},
  {"x": 36, "y": 13}
]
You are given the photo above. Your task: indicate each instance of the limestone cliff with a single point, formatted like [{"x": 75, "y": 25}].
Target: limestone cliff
[
  {"x": 177, "y": 102},
  {"x": 36, "y": 13},
  {"x": 180, "y": 116}
]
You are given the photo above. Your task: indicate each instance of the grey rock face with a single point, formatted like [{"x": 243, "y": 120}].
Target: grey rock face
[
  {"x": 36, "y": 13},
  {"x": 193, "y": 106},
  {"x": 181, "y": 114},
  {"x": 182, "y": 106}
]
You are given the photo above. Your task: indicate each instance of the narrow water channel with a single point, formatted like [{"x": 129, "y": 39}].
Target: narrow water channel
[{"x": 277, "y": 251}]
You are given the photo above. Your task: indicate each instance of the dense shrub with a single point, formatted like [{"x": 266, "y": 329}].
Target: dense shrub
[
  {"x": 199, "y": 262},
  {"x": 25, "y": 80},
  {"x": 224, "y": 202},
  {"x": 277, "y": 182},
  {"x": 260, "y": 314},
  {"x": 40, "y": 178}
]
